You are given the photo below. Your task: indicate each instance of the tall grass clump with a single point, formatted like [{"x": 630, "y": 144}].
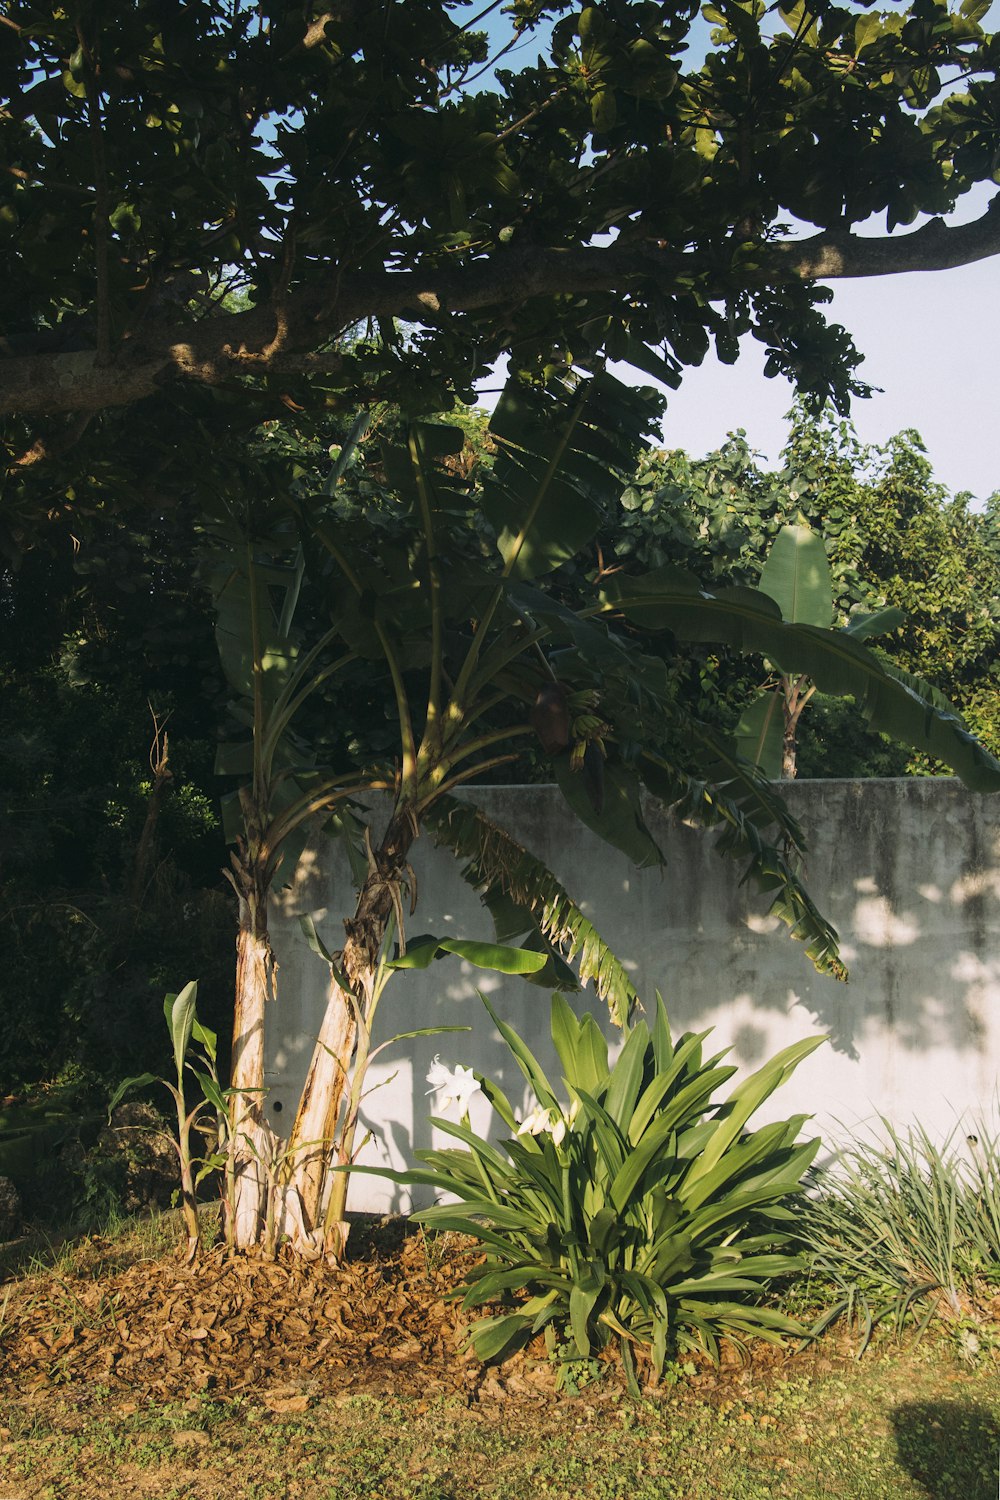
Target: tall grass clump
[{"x": 905, "y": 1230}]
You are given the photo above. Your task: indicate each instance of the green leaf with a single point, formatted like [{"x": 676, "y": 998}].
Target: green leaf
[
  {"x": 493, "y": 1337},
  {"x": 405, "y": 1036},
  {"x": 214, "y": 1163},
  {"x": 179, "y": 1010},
  {"x": 125, "y": 219},
  {"x": 140, "y": 1081},
  {"x": 498, "y": 1101},
  {"x": 525, "y": 1059},
  {"x": 626, "y": 1076},
  {"x": 581, "y": 1305},
  {"x": 746, "y": 1098},
  {"x": 563, "y": 458},
  {"x": 748, "y": 621},
  {"x": 862, "y": 626},
  {"x": 638, "y": 1160},
  {"x": 620, "y": 822},
  {"x": 796, "y": 575},
  {"x": 307, "y": 926},
  {"x": 582, "y": 1048},
  {"x": 494, "y": 956},
  {"x": 206, "y": 1038},
  {"x": 760, "y": 734},
  {"x": 211, "y": 1090}
]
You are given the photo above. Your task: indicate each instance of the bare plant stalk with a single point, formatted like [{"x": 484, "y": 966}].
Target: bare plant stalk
[
  {"x": 310, "y": 1146},
  {"x": 189, "y": 1202},
  {"x": 252, "y": 1140},
  {"x": 159, "y": 755}
]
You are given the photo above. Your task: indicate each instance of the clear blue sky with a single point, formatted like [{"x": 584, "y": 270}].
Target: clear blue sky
[{"x": 931, "y": 342}]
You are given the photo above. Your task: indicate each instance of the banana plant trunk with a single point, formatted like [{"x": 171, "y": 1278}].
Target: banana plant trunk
[
  {"x": 252, "y": 1142},
  {"x": 306, "y": 1192},
  {"x": 796, "y": 691},
  {"x": 789, "y": 764}
]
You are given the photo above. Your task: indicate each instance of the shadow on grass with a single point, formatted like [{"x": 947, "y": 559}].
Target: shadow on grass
[{"x": 951, "y": 1448}]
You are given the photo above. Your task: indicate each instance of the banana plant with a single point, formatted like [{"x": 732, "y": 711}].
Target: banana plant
[
  {"x": 896, "y": 703},
  {"x": 451, "y": 598},
  {"x": 254, "y": 567},
  {"x": 447, "y": 624},
  {"x": 796, "y": 575},
  {"x": 182, "y": 1021}
]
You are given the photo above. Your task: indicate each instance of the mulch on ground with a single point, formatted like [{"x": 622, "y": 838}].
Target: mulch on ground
[
  {"x": 381, "y": 1321},
  {"x": 286, "y": 1331}
]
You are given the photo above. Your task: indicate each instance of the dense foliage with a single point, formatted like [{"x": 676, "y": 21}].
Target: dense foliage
[
  {"x": 110, "y": 841},
  {"x": 644, "y": 1211},
  {"x": 906, "y": 1228},
  {"x": 201, "y": 200},
  {"x": 893, "y": 536}
]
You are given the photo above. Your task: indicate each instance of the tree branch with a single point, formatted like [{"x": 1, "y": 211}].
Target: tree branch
[
  {"x": 220, "y": 348},
  {"x": 936, "y": 246}
]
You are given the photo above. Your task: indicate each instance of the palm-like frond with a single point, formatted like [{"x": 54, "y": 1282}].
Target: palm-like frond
[
  {"x": 499, "y": 868},
  {"x": 733, "y": 796}
]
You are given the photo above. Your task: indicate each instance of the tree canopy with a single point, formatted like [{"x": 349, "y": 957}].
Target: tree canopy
[{"x": 212, "y": 195}]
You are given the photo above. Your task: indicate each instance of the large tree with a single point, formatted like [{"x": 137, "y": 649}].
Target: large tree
[
  {"x": 361, "y": 163},
  {"x": 893, "y": 537}
]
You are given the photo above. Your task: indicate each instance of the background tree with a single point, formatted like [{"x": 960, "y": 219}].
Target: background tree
[
  {"x": 110, "y": 839},
  {"x": 893, "y": 537}
]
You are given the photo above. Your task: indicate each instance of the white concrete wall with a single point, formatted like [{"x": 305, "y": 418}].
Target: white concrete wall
[{"x": 909, "y": 872}]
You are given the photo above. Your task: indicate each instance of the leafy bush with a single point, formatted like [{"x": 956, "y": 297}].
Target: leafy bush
[
  {"x": 642, "y": 1212},
  {"x": 904, "y": 1227}
]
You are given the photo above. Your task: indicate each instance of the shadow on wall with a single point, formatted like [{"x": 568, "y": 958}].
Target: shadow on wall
[
  {"x": 909, "y": 872},
  {"x": 950, "y": 1448}
]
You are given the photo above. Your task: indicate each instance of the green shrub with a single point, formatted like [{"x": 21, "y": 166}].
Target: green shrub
[
  {"x": 901, "y": 1227},
  {"x": 642, "y": 1212}
]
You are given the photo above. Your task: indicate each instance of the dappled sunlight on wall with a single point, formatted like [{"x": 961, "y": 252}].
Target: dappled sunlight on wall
[{"x": 909, "y": 871}]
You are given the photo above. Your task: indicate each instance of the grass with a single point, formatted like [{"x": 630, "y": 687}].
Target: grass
[
  {"x": 899, "y": 1425},
  {"x": 905, "y": 1230},
  {"x": 119, "y": 1243},
  {"x": 908, "y": 1225}
]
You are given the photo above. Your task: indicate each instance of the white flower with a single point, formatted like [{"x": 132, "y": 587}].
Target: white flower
[
  {"x": 452, "y": 1086},
  {"x": 549, "y": 1121},
  {"x": 537, "y": 1122}
]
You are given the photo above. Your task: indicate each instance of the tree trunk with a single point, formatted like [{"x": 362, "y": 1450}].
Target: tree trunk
[
  {"x": 304, "y": 1194},
  {"x": 797, "y": 692},
  {"x": 788, "y": 751},
  {"x": 253, "y": 1142}
]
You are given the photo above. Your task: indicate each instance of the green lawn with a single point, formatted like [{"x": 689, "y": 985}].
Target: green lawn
[{"x": 897, "y": 1426}]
